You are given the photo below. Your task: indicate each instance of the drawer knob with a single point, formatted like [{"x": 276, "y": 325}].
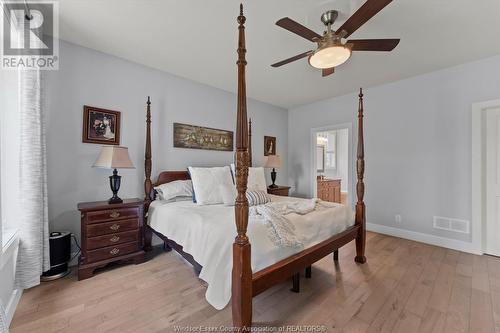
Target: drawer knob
[
  {"x": 115, "y": 251},
  {"x": 114, "y": 214},
  {"x": 115, "y": 227},
  {"x": 114, "y": 239}
]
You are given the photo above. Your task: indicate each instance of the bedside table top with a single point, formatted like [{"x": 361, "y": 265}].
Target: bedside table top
[
  {"x": 98, "y": 205},
  {"x": 279, "y": 188}
]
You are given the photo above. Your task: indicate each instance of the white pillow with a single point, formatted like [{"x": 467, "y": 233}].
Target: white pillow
[
  {"x": 178, "y": 199},
  {"x": 229, "y": 193},
  {"x": 256, "y": 178},
  {"x": 206, "y": 183},
  {"x": 177, "y": 188}
]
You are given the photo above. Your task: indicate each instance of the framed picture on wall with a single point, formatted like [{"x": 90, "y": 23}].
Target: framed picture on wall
[
  {"x": 269, "y": 145},
  {"x": 101, "y": 126},
  {"x": 198, "y": 137}
]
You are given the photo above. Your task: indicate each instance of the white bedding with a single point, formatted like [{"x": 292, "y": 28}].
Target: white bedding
[{"x": 207, "y": 233}]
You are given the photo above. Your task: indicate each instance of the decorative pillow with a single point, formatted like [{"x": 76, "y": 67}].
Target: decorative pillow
[
  {"x": 206, "y": 183},
  {"x": 183, "y": 198},
  {"x": 256, "y": 178},
  {"x": 177, "y": 188},
  {"x": 178, "y": 199},
  {"x": 257, "y": 198},
  {"x": 228, "y": 192},
  {"x": 233, "y": 172}
]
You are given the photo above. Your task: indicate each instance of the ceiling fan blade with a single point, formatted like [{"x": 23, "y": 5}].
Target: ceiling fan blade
[
  {"x": 327, "y": 71},
  {"x": 373, "y": 44},
  {"x": 362, "y": 15},
  {"x": 297, "y": 57},
  {"x": 297, "y": 28}
]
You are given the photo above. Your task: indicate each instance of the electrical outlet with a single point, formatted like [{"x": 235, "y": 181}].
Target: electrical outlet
[{"x": 398, "y": 219}]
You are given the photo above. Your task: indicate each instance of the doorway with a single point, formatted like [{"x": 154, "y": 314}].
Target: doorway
[
  {"x": 486, "y": 177},
  {"x": 332, "y": 163},
  {"x": 492, "y": 245}
]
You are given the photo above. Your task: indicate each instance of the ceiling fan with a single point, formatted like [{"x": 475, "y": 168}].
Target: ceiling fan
[{"x": 331, "y": 51}]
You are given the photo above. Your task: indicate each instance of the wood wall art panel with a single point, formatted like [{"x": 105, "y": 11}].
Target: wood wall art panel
[{"x": 197, "y": 137}]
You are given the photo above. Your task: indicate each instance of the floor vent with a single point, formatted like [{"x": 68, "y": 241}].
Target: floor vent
[{"x": 456, "y": 225}]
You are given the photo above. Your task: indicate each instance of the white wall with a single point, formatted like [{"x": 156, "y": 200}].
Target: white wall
[
  {"x": 87, "y": 77},
  {"x": 418, "y": 144}
]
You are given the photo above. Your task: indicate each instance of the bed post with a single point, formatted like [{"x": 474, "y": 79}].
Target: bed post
[
  {"x": 360, "y": 187},
  {"x": 250, "y": 142},
  {"x": 148, "y": 185},
  {"x": 242, "y": 270}
]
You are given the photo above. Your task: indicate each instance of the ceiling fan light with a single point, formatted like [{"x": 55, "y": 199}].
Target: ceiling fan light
[{"x": 329, "y": 57}]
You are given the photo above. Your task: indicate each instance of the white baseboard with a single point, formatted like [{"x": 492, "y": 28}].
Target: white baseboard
[
  {"x": 424, "y": 238},
  {"x": 12, "y": 304}
]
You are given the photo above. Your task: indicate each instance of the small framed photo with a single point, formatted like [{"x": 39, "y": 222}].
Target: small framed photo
[
  {"x": 269, "y": 145},
  {"x": 101, "y": 126}
]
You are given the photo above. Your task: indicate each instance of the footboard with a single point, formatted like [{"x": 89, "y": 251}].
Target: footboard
[{"x": 286, "y": 268}]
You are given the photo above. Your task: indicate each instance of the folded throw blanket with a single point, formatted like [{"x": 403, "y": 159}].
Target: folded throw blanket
[{"x": 280, "y": 230}]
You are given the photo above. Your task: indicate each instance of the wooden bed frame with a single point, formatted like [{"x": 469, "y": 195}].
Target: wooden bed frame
[{"x": 245, "y": 283}]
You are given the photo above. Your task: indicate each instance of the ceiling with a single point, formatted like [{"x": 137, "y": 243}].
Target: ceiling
[{"x": 197, "y": 39}]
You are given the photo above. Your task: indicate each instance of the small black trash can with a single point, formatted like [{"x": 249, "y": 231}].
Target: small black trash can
[{"x": 60, "y": 254}]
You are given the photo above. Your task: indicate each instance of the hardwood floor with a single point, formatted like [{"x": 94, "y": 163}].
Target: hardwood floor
[{"x": 404, "y": 287}]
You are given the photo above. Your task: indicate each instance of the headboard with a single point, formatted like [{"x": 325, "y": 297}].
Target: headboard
[{"x": 170, "y": 176}]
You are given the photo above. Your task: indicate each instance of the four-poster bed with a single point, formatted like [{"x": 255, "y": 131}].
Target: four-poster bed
[{"x": 246, "y": 284}]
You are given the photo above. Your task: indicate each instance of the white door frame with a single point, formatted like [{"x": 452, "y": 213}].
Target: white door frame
[
  {"x": 312, "y": 145},
  {"x": 478, "y": 173}
]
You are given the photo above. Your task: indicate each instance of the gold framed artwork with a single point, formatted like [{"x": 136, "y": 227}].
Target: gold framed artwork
[
  {"x": 101, "y": 126},
  {"x": 198, "y": 137},
  {"x": 269, "y": 145}
]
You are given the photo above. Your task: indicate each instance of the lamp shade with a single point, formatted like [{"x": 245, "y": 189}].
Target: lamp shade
[
  {"x": 112, "y": 157},
  {"x": 273, "y": 161}
]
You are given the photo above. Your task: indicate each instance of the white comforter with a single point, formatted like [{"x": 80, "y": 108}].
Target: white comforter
[{"x": 207, "y": 233}]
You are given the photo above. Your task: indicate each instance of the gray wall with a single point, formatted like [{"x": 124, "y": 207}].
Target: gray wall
[
  {"x": 87, "y": 77},
  {"x": 418, "y": 143},
  {"x": 417, "y": 135}
]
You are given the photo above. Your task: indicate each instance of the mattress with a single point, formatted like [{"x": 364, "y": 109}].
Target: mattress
[{"x": 207, "y": 233}]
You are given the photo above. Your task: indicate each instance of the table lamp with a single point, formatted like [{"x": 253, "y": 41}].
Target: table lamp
[
  {"x": 113, "y": 157},
  {"x": 273, "y": 161}
]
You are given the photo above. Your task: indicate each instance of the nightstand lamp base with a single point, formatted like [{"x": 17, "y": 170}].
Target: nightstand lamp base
[
  {"x": 273, "y": 161},
  {"x": 273, "y": 178}
]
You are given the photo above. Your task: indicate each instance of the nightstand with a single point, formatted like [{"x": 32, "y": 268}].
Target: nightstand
[
  {"x": 110, "y": 232},
  {"x": 280, "y": 190}
]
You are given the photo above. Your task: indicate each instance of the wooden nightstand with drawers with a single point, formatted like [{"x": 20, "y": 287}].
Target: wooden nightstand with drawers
[
  {"x": 280, "y": 190},
  {"x": 110, "y": 232}
]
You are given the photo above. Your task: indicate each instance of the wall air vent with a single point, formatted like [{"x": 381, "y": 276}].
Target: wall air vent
[{"x": 456, "y": 225}]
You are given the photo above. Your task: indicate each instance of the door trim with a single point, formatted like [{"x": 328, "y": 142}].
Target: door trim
[
  {"x": 312, "y": 145},
  {"x": 478, "y": 190}
]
